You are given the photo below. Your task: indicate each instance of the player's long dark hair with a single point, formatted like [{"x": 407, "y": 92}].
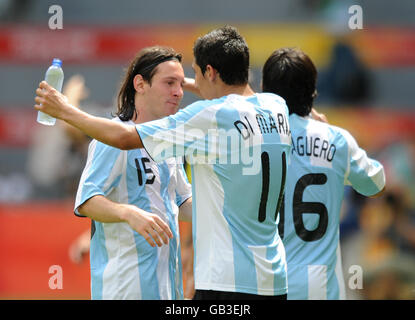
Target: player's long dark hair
[
  {"x": 144, "y": 63},
  {"x": 291, "y": 74}
]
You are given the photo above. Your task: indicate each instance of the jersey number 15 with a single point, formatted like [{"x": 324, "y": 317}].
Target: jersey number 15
[{"x": 144, "y": 160}]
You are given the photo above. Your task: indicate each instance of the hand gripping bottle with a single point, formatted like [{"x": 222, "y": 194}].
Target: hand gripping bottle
[{"x": 54, "y": 77}]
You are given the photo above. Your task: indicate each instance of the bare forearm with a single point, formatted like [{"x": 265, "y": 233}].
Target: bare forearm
[
  {"x": 115, "y": 134},
  {"x": 154, "y": 230},
  {"x": 109, "y": 132},
  {"x": 101, "y": 209}
]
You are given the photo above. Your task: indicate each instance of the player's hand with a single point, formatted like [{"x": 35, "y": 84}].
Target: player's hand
[
  {"x": 189, "y": 85},
  {"x": 318, "y": 116},
  {"x": 80, "y": 247},
  {"x": 150, "y": 226},
  {"x": 51, "y": 101}
]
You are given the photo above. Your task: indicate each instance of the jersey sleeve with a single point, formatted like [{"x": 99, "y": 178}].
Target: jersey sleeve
[
  {"x": 183, "y": 187},
  {"x": 364, "y": 174},
  {"x": 178, "y": 135},
  {"x": 101, "y": 174}
]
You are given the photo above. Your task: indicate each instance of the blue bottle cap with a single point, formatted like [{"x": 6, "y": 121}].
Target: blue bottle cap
[{"x": 57, "y": 62}]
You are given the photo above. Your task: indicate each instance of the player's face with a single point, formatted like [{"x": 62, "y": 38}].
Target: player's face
[{"x": 164, "y": 95}]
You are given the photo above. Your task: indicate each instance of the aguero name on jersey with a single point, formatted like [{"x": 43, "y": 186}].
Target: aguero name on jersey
[
  {"x": 324, "y": 159},
  {"x": 237, "y": 148},
  {"x": 123, "y": 264}
]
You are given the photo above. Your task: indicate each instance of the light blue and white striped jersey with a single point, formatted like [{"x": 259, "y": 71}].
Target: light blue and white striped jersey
[
  {"x": 123, "y": 264},
  {"x": 237, "y": 148},
  {"x": 324, "y": 158}
]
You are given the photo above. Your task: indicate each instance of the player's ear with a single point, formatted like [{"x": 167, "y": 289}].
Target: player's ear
[
  {"x": 138, "y": 83},
  {"x": 211, "y": 73}
]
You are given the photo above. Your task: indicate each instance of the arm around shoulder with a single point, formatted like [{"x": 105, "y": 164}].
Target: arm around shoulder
[{"x": 115, "y": 134}]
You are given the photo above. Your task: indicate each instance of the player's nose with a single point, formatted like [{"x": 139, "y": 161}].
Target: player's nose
[{"x": 178, "y": 91}]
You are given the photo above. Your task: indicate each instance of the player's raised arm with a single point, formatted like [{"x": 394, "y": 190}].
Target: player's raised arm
[{"x": 52, "y": 102}]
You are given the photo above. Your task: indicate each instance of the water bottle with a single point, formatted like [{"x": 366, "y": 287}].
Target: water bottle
[{"x": 54, "y": 77}]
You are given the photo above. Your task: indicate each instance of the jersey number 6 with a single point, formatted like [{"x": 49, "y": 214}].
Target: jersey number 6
[{"x": 300, "y": 207}]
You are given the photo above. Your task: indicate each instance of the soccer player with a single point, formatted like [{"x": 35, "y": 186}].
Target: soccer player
[
  {"x": 134, "y": 202},
  {"x": 237, "y": 143},
  {"x": 324, "y": 158}
]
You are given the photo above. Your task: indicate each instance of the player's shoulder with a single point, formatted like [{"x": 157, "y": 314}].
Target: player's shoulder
[
  {"x": 201, "y": 105},
  {"x": 206, "y": 109},
  {"x": 271, "y": 97},
  {"x": 272, "y": 103},
  {"x": 338, "y": 133},
  {"x": 308, "y": 122}
]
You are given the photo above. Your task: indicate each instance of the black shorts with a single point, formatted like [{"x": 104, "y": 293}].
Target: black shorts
[{"x": 223, "y": 295}]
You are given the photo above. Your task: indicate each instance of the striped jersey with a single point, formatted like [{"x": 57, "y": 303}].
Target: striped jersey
[
  {"x": 324, "y": 159},
  {"x": 123, "y": 264},
  {"x": 237, "y": 148}
]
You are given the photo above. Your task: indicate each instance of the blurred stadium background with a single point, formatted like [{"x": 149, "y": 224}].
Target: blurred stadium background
[{"x": 366, "y": 85}]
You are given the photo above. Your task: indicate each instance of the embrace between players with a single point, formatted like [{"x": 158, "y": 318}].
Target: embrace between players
[{"x": 252, "y": 235}]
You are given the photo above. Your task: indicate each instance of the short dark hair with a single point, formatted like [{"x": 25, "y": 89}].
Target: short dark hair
[
  {"x": 226, "y": 51},
  {"x": 144, "y": 63},
  {"x": 291, "y": 74}
]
